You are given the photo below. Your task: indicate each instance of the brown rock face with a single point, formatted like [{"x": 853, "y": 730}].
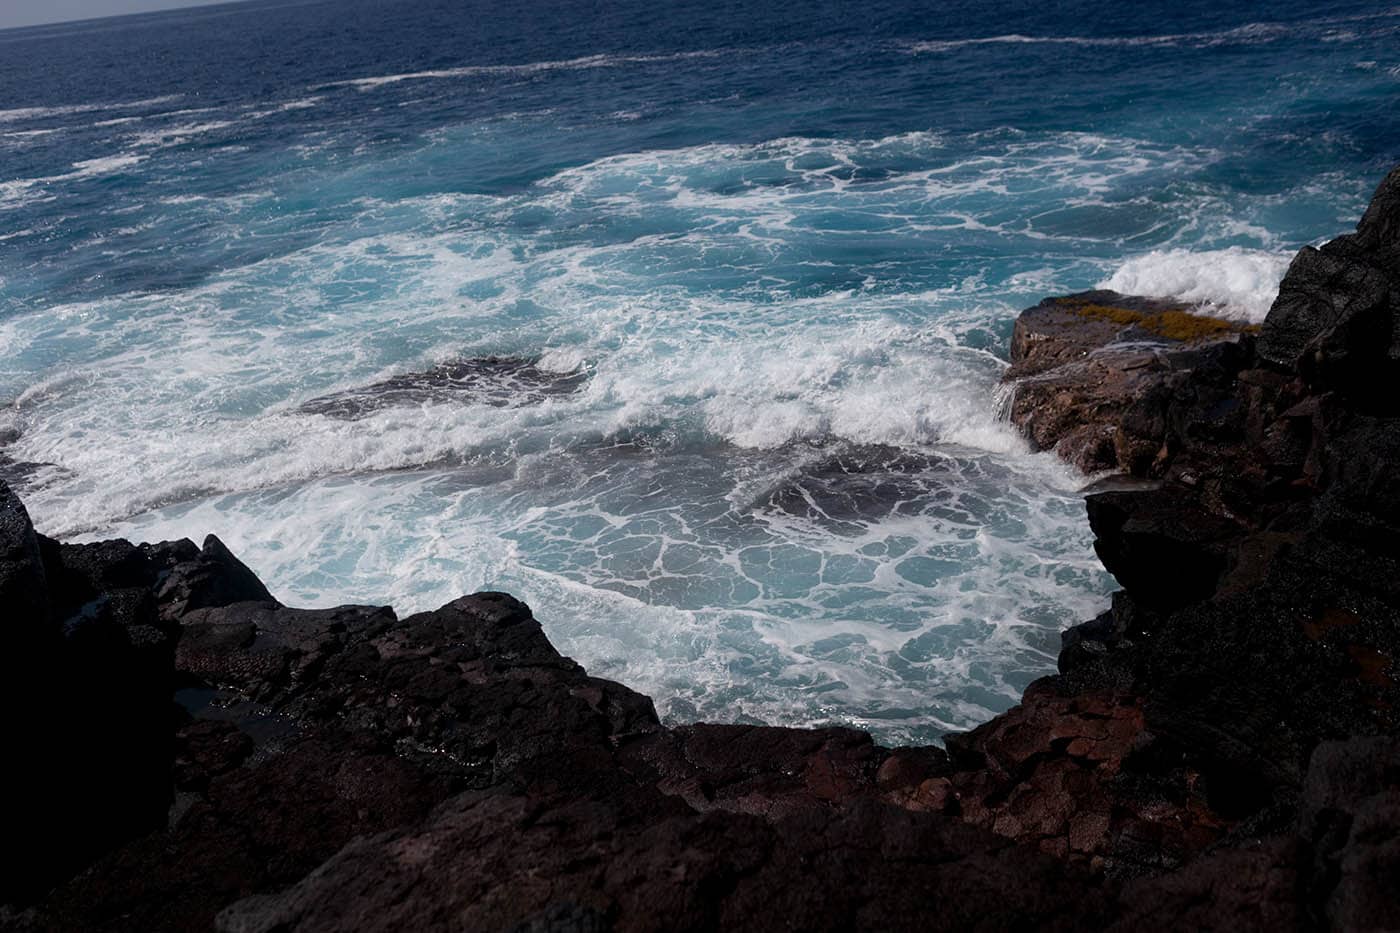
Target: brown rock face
[
  {"x": 1259, "y": 621},
  {"x": 1075, "y": 775},
  {"x": 1090, "y": 375}
]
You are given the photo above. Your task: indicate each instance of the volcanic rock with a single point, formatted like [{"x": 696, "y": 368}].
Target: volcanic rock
[
  {"x": 498, "y": 381},
  {"x": 1092, "y": 374}
]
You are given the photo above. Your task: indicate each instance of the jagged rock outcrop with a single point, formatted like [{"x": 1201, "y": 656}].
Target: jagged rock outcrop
[
  {"x": 1335, "y": 320},
  {"x": 1092, "y": 376},
  {"x": 1258, "y": 620},
  {"x": 344, "y": 768}
]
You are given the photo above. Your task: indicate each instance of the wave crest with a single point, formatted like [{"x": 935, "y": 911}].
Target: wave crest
[{"x": 1235, "y": 283}]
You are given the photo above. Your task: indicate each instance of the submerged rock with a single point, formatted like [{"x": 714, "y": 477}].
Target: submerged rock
[
  {"x": 498, "y": 381},
  {"x": 862, "y": 483},
  {"x": 22, "y": 473}
]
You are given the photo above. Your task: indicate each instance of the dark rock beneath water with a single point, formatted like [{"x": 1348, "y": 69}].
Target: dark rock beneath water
[
  {"x": 498, "y": 381},
  {"x": 22, "y": 474},
  {"x": 857, "y": 484}
]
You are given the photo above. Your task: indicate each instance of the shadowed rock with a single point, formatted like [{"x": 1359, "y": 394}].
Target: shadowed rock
[
  {"x": 1350, "y": 807},
  {"x": 209, "y": 577},
  {"x": 1337, "y": 318},
  {"x": 23, "y": 587},
  {"x": 860, "y": 484},
  {"x": 646, "y": 862}
]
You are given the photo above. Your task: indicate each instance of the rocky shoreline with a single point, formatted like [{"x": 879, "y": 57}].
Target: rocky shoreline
[{"x": 1219, "y": 749}]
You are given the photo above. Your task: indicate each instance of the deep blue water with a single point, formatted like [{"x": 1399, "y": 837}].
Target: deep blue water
[{"x": 771, "y": 255}]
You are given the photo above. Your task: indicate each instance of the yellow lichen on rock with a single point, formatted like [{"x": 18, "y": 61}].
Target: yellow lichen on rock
[
  {"x": 1182, "y": 325},
  {"x": 1171, "y": 324}
]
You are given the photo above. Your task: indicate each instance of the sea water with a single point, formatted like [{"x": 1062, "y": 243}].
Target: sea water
[{"x": 724, "y": 291}]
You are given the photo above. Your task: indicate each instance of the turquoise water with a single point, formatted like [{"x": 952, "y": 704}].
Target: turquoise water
[{"x": 755, "y": 272}]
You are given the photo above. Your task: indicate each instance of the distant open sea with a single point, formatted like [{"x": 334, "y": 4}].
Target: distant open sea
[{"x": 719, "y": 296}]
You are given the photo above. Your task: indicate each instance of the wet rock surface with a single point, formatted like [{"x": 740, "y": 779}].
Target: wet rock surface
[
  {"x": 860, "y": 483},
  {"x": 19, "y": 473},
  {"x": 1092, "y": 375},
  {"x": 1219, "y": 749},
  {"x": 498, "y": 381}
]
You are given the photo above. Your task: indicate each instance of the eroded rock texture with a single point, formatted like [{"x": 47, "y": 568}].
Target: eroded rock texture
[
  {"x": 342, "y": 768},
  {"x": 1102, "y": 378},
  {"x": 1259, "y": 622}
]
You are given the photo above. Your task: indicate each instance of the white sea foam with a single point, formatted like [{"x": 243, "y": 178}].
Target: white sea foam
[
  {"x": 731, "y": 345},
  {"x": 301, "y": 103},
  {"x": 744, "y": 363},
  {"x": 1322, "y": 30},
  {"x": 106, "y": 165},
  {"x": 175, "y": 135},
  {"x": 775, "y": 484},
  {"x": 1236, "y": 283},
  {"x": 24, "y": 191},
  {"x": 29, "y": 134},
  {"x": 671, "y": 607},
  {"x": 36, "y": 113},
  {"x": 562, "y": 360},
  {"x": 1244, "y": 35},
  {"x": 525, "y": 68}
]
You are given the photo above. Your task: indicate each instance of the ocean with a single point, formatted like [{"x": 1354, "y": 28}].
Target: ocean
[{"x": 682, "y": 322}]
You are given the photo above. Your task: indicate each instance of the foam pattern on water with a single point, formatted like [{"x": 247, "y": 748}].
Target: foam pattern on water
[
  {"x": 668, "y": 513},
  {"x": 1234, "y": 283},
  {"x": 912, "y": 594},
  {"x": 696, "y": 358}
]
